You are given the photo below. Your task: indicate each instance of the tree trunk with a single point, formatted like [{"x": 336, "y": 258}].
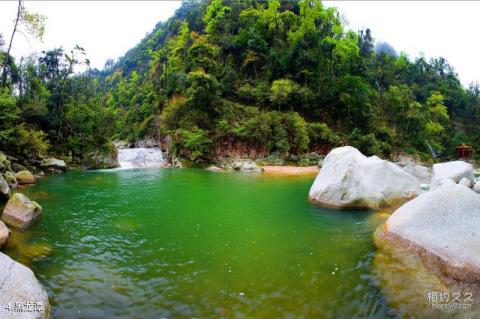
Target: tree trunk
[{"x": 7, "y": 55}]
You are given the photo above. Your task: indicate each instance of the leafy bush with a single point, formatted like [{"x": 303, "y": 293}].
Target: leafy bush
[
  {"x": 9, "y": 115},
  {"x": 282, "y": 92},
  {"x": 193, "y": 143},
  {"x": 320, "y": 133},
  {"x": 297, "y": 131},
  {"x": 368, "y": 144},
  {"x": 29, "y": 143}
]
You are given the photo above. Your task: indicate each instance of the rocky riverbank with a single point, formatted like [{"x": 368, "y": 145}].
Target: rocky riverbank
[
  {"x": 21, "y": 295},
  {"x": 437, "y": 219}
]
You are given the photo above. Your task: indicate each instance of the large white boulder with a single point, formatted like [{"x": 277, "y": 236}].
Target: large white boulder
[
  {"x": 21, "y": 295},
  {"x": 455, "y": 170},
  {"x": 348, "y": 179},
  {"x": 444, "y": 226}
]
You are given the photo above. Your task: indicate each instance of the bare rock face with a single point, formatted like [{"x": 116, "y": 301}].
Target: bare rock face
[
  {"x": 20, "y": 290},
  {"x": 442, "y": 225},
  {"x": 21, "y": 212},
  {"x": 4, "y": 233},
  {"x": 25, "y": 177},
  {"x": 348, "y": 179},
  {"x": 455, "y": 170}
]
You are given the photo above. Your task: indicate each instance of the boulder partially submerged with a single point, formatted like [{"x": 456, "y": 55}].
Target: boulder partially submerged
[
  {"x": 455, "y": 170},
  {"x": 21, "y": 212},
  {"x": 25, "y": 177},
  {"x": 20, "y": 290},
  {"x": 348, "y": 179},
  {"x": 441, "y": 225}
]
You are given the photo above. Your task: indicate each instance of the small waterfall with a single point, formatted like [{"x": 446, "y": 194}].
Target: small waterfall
[
  {"x": 431, "y": 149},
  {"x": 141, "y": 157}
]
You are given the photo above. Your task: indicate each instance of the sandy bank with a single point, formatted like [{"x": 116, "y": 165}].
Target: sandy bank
[{"x": 291, "y": 170}]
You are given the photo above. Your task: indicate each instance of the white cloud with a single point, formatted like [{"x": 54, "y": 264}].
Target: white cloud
[{"x": 106, "y": 29}]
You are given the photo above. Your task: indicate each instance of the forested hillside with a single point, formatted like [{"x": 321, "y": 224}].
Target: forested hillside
[{"x": 279, "y": 77}]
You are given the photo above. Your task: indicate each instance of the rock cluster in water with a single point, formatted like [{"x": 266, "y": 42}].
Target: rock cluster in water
[
  {"x": 21, "y": 295},
  {"x": 440, "y": 225},
  {"x": 236, "y": 164}
]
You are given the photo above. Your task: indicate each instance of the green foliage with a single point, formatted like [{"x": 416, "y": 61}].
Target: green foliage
[
  {"x": 283, "y": 92},
  {"x": 9, "y": 115},
  {"x": 192, "y": 143},
  {"x": 202, "y": 90},
  {"x": 29, "y": 143},
  {"x": 297, "y": 128},
  {"x": 368, "y": 144},
  {"x": 282, "y": 77},
  {"x": 214, "y": 15},
  {"x": 320, "y": 133},
  {"x": 34, "y": 23}
]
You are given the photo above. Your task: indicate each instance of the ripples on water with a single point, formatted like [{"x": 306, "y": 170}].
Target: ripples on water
[{"x": 188, "y": 243}]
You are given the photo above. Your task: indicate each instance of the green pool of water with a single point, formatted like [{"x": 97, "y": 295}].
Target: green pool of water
[{"x": 187, "y": 243}]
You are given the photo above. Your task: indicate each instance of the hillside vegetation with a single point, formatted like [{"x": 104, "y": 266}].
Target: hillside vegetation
[{"x": 280, "y": 77}]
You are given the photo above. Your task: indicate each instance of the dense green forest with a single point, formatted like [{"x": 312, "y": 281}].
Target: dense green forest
[{"x": 281, "y": 77}]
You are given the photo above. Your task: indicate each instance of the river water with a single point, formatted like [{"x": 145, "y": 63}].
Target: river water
[{"x": 188, "y": 243}]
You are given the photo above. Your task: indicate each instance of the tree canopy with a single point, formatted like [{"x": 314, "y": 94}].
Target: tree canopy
[{"x": 286, "y": 77}]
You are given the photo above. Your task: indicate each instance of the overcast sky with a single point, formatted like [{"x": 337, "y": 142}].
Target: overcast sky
[{"x": 108, "y": 29}]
